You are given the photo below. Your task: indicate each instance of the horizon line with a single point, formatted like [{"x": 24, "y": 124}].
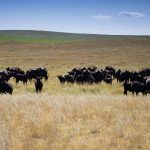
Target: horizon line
[{"x": 83, "y": 33}]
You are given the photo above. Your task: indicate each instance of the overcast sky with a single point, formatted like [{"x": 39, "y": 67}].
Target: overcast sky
[{"x": 78, "y": 16}]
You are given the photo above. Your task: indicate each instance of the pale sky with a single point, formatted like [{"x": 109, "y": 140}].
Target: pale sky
[{"x": 130, "y": 17}]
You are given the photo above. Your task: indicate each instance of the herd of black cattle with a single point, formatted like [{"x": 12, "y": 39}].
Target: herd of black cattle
[
  {"x": 20, "y": 75},
  {"x": 133, "y": 81}
]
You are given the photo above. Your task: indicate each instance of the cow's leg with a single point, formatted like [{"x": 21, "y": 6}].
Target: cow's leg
[
  {"x": 144, "y": 93},
  {"x": 17, "y": 81},
  {"x": 40, "y": 90},
  {"x": 125, "y": 92},
  {"x": 132, "y": 92},
  {"x": 46, "y": 78}
]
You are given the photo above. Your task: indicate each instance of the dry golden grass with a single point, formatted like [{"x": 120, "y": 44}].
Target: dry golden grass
[
  {"x": 123, "y": 53},
  {"x": 43, "y": 122},
  {"x": 74, "y": 116}
]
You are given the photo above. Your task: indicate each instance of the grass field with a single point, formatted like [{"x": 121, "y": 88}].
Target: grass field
[
  {"x": 118, "y": 51},
  {"x": 73, "y": 116},
  {"x": 63, "y": 122}
]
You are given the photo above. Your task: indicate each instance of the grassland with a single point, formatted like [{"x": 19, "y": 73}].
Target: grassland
[
  {"x": 43, "y": 122},
  {"x": 73, "y": 116},
  {"x": 121, "y": 52}
]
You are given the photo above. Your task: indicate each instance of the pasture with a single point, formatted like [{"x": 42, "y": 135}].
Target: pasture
[{"x": 73, "y": 116}]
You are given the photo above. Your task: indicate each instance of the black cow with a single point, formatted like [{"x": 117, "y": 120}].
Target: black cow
[
  {"x": 127, "y": 87},
  {"x": 75, "y": 71},
  {"x": 138, "y": 78},
  {"x": 98, "y": 75},
  {"x": 37, "y": 73},
  {"x": 15, "y": 70},
  {"x": 61, "y": 79},
  {"x": 134, "y": 87},
  {"x": 21, "y": 77},
  {"x": 108, "y": 79},
  {"x": 86, "y": 73},
  {"x": 5, "y": 75},
  {"x": 117, "y": 74},
  {"x": 110, "y": 70},
  {"x": 43, "y": 73},
  {"x": 80, "y": 79},
  {"x": 138, "y": 87},
  {"x": 133, "y": 75},
  {"x": 69, "y": 78},
  {"x": 38, "y": 85},
  {"x": 32, "y": 74},
  {"x": 124, "y": 76},
  {"x": 144, "y": 72},
  {"x": 92, "y": 68},
  {"x": 5, "y": 88}
]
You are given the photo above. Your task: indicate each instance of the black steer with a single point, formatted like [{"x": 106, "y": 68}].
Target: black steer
[
  {"x": 38, "y": 85},
  {"x": 5, "y": 88}
]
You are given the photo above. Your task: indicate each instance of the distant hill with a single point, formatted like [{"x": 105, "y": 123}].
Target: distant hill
[{"x": 47, "y": 36}]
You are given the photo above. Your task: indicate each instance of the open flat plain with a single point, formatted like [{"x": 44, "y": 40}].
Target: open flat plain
[{"x": 75, "y": 116}]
